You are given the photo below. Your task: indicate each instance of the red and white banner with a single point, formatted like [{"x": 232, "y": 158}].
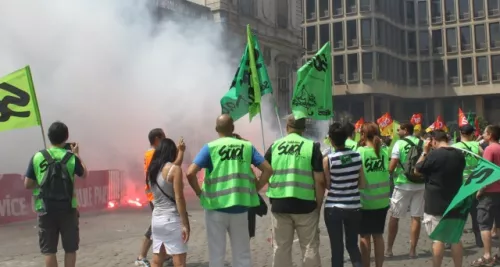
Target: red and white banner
[{"x": 93, "y": 193}]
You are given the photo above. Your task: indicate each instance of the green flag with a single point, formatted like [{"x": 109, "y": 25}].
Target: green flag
[
  {"x": 242, "y": 97},
  {"x": 18, "y": 104},
  {"x": 451, "y": 226},
  {"x": 312, "y": 96}
]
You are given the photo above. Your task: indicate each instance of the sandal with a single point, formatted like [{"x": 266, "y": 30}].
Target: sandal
[
  {"x": 496, "y": 259},
  {"x": 483, "y": 262},
  {"x": 388, "y": 254}
]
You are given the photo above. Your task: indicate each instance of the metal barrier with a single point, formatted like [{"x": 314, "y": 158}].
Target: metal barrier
[{"x": 115, "y": 185}]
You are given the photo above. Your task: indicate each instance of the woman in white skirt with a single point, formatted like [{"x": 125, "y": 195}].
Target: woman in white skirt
[{"x": 169, "y": 223}]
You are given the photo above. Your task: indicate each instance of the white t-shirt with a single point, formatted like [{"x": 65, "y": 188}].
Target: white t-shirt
[{"x": 396, "y": 151}]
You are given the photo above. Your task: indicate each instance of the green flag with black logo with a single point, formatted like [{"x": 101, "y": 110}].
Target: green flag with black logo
[
  {"x": 250, "y": 82},
  {"x": 18, "y": 104},
  {"x": 450, "y": 228},
  {"x": 312, "y": 96}
]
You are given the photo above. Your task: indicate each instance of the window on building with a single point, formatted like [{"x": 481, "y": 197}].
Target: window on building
[
  {"x": 311, "y": 43},
  {"x": 352, "y": 67},
  {"x": 404, "y": 73},
  {"x": 247, "y": 7},
  {"x": 338, "y": 9},
  {"x": 467, "y": 73},
  {"x": 413, "y": 71},
  {"x": 367, "y": 64},
  {"x": 381, "y": 66},
  {"x": 324, "y": 34},
  {"x": 495, "y": 68},
  {"x": 482, "y": 69},
  {"x": 411, "y": 38},
  {"x": 495, "y": 35},
  {"x": 493, "y": 8},
  {"x": 324, "y": 12},
  {"x": 401, "y": 11},
  {"x": 310, "y": 9},
  {"x": 350, "y": 7},
  {"x": 351, "y": 29},
  {"x": 284, "y": 88},
  {"x": 449, "y": 11},
  {"x": 451, "y": 40},
  {"x": 437, "y": 42},
  {"x": 425, "y": 73},
  {"x": 338, "y": 36},
  {"x": 282, "y": 14},
  {"x": 438, "y": 70},
  {"x": 410, "y": 12},
  {"x": 463, "y": 10},
  {"x": 338, "y": 69},
  {"x": 366, "y": 32},
  {"x": 465, "y": 39},
  {"x": 453, "y": 78},
  {"x": 365, "y": 5},
  {"x": 423, "y": 42},
  {"x": 480, "y": 37},
  {"x": 422, "y": 13},
  {"x": 436, "y": 15},
  {"x": 379, "y": 28},
  {"x": 478, "y": 6}
]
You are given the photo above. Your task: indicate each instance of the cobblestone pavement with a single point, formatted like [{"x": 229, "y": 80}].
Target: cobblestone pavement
[{"x": 113, "y": 239}]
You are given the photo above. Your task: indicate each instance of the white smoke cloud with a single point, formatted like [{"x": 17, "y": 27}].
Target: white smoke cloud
[{"x": 112, "y": 74}]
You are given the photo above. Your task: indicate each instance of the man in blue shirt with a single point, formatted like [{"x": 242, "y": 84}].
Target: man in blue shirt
[{"x": 234, "y": 219}]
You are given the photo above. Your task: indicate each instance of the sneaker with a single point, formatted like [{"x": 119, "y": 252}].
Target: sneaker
[
  {"x": 142, "y": 262},
  {"x": 168, "y": 262}
]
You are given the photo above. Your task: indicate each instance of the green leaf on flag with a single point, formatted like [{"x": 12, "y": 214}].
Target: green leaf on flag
[
  {"x": 242, "y": 97},
  {"x": 312, "y": 96},
  {"x": 450, "y": 228},
  {"x": 18, "y": 104}
]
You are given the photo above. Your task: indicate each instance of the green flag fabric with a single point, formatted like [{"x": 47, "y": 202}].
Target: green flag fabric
[
  {"x": 18, "y": 104},
  {"x": 241, "y": 97},
  {"x": 451, "y": 226},
  {"x": 312, "y": 96},
  {"x": 254, "y": 107}
]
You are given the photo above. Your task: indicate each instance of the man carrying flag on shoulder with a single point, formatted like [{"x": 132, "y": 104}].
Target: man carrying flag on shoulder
[
  {"x": 467, "y": 143},
  {"x": 154, "y": 136}
]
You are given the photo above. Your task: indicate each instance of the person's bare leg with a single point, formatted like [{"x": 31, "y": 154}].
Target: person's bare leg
[
  {"x": 179, "y": 260},
  {"x": 457, "y": 254},
  {"x": 70, "y": 259},
  {"x": 378, "y": 247},
  {"x": 159, "y": 258},
  {"x": 486, "y": 236},
  {"x": 414, "y": 234},
  {"x": 494, "y": 230},
  {"x": 146, "y": 245},
  {"x": 391, "y": 235},
  {"x": 365, "y": 248},
  {"x": 437, "y": 253},
  {"x": 50, "y": 260}
]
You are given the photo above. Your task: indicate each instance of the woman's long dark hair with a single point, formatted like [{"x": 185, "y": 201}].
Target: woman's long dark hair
[{"x": 165, "y": 152}]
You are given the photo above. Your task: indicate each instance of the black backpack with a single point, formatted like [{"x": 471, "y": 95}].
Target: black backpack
[
  {"x": 56, "y": 188},
  {"x": 411, "y": 160}
]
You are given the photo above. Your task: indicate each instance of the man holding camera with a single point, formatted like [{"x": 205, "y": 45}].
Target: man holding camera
[{"x": 50, "y": 175}]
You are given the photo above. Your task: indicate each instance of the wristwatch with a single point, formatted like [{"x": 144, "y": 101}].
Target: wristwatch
[{"x": 423, "y": 154}]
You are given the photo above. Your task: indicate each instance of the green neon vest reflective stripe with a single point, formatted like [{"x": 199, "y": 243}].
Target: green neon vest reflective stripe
[
  {"x": 376, "y": 170},
  {"x": 291, "y": 162},
  {"x": 471, "y": 162},
  {"x": 40, "y": 166},
  {"x": 404, "y": 147},
  {"x": 231, "y": 182}
]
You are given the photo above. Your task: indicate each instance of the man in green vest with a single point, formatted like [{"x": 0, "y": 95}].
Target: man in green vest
[
  {"x": 56, "y": 217},
  {"x": 467, "y": 142},
  {"x": 229, "y": 190},
  {"x": 296, "y": 192},
  {"x": 406, "y": 194},
  {"x": 349, "y": 143}
]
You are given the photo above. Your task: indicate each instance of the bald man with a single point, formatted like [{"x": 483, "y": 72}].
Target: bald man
[{"x": 229, "y": 190}]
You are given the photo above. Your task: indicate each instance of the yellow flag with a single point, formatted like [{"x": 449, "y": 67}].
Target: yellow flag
[{"x": 18, "y": 104}]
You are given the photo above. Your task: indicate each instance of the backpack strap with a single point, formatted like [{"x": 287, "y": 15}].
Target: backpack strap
[
  {"x": 466, "y": 146},
  {"x": 410, "y": 142},
  {"x": 66, "y": 157},
  {"x": 46, "y": 155}
]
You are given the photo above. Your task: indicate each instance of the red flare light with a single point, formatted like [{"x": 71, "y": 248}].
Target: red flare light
[{"x": 135, "y": 202}]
